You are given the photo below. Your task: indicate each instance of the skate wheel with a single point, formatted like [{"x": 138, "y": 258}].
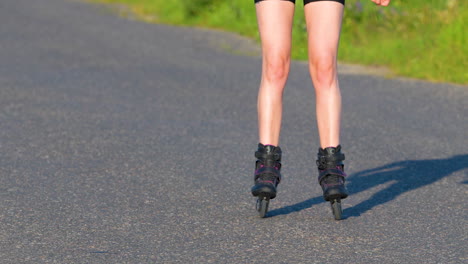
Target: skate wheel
[
  {"x": 336, "y": 208},
  {"x": 262, "y": 206}
]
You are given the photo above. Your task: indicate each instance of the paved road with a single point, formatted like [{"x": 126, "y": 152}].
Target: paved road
[{"x": 122, "y": 142}]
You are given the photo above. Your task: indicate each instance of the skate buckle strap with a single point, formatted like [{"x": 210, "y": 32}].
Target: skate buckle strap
[
  {"x": 270, "y": 156},
  {"x": 328, "y": 172},
  {"x": 332, "y": 159},
  {"x": 272, "y": 171}
]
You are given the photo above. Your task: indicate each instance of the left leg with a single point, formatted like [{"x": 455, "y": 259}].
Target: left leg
[{"x": 323, "y": 20}]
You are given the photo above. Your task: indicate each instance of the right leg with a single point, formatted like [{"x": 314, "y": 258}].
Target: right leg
[{"x": 275, "y": 18}]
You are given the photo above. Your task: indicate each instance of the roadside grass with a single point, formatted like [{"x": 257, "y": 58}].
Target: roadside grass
[{"x": 424, "y": 39}]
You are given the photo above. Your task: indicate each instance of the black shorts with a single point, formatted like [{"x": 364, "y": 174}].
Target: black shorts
[{"x": 307, "y": 1}]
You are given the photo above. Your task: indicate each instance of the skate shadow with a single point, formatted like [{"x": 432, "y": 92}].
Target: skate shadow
[
  {"x": 296, "y": 207},
  {"x": 402, "y": 176}
]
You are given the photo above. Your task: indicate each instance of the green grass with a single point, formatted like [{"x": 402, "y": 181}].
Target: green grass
[{"x": 424, "y": 39}]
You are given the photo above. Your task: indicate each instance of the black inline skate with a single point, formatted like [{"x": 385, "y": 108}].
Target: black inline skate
[
  {"x": 332, "y": 177},
  {"x": 267, "y": 176}
]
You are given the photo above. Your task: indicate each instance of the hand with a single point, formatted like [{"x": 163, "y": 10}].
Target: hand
[{"x": 381, "y": 2}]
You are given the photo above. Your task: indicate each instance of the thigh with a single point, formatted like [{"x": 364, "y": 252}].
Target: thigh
[
  {"x": 275, "y": 19},
  {"x": 323, "y": 19}
]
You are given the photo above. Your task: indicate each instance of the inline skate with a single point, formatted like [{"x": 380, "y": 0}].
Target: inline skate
[
  {"x": 267, "y": 176},
  {"x": 332, "y": 177}
]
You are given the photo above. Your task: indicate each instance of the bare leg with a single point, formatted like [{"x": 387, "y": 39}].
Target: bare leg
[
  {"x": 323, "y": 20},
  {"x": 275, "y": 20}
]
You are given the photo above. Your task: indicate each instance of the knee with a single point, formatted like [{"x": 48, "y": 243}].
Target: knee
[
  {"x": 276, "y": 69},
  {"x": 323, "y": 71}
]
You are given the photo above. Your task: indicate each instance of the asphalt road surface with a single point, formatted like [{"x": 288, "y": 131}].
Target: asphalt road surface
[{"x": 125, "y": 142}]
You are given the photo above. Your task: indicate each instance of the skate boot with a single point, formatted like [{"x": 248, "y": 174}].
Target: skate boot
[
  {"x": 332, "y": 177},
  {"x": 267, "y": 176}
]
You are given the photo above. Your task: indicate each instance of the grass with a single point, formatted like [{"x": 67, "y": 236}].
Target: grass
[{"x": 424, "y": 39}]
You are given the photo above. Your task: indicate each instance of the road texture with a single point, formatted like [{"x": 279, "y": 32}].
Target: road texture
[{"x": 125, "y": 142}]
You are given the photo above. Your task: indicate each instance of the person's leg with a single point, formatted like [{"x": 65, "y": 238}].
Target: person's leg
[
  {"x": 323, "y": 26},
  {"x": 323, "y": 20},
  {"x": 275, "y": 18}
]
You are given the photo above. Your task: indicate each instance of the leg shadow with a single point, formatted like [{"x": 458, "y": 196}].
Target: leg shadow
[{"x": 405, "y": 175}]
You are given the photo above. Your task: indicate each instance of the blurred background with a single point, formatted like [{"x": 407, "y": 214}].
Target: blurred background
[{"x": 423, "y": 39}]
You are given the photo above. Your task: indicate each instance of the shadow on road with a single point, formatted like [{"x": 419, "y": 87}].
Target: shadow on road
[{"x": 403, "y": 176}]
